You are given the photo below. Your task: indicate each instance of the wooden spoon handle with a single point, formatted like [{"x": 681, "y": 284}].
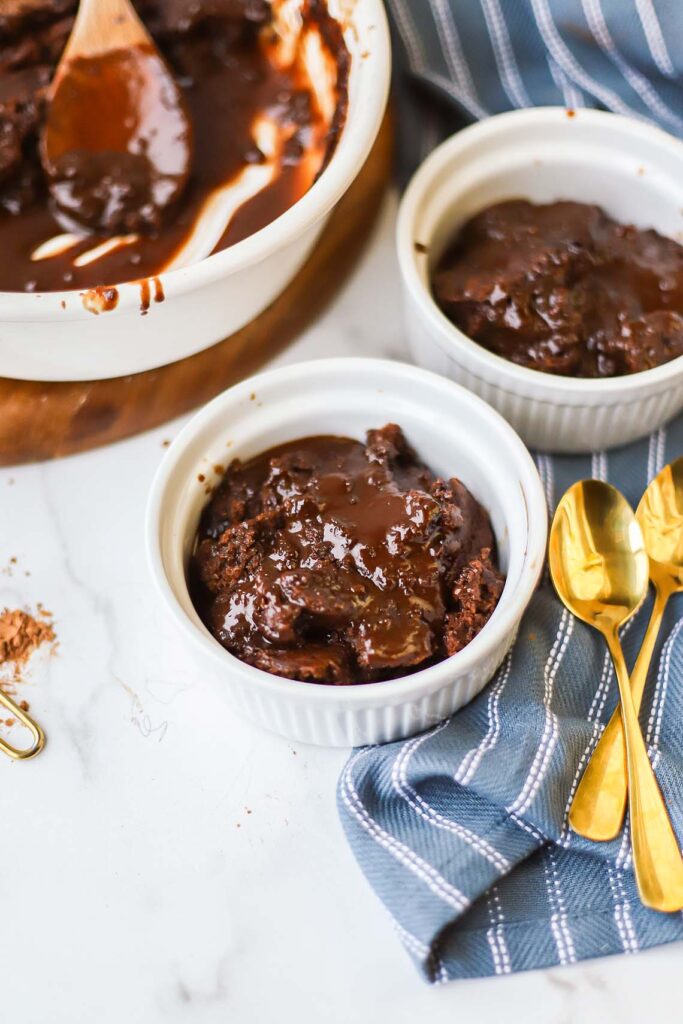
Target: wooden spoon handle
[
  {"x": 656, "y": 854},
  {"x": 104, "y": 25},
  {"x": 598, "y": 808}
]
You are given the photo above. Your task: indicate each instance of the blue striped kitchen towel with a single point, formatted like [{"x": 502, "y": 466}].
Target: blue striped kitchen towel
[
  {"x": 458, "y": 61},
  {"x": 462, "y": 831}
]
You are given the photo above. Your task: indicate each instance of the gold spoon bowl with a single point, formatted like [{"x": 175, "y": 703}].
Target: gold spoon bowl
[{"x": 599, "y": 804}]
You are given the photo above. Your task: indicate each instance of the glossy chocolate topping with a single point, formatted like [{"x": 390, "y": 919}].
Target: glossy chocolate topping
[
  {"x": 564, "y": 289},
  {"x": 117, "y": 143},
  {"x": 331, "y": 561},
  {"x": 231, "y": 71}
]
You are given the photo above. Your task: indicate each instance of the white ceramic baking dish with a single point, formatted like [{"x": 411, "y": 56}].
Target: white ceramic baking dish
[
  {"x": 632, "y": 170},
  {"x": 453, "y": 430},
  {"x": 53, "y": 336}
]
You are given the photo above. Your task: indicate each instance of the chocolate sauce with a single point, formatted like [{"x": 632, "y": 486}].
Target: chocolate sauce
[
  {"x": 117, "y": 142},
  {"x": 331, "y": 561},
  {"x": 223, "y": 59},
  {"x": 565, "y": 289}
]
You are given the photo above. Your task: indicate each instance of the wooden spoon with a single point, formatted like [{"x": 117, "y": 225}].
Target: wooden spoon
[{"x": 117, "y": 141}]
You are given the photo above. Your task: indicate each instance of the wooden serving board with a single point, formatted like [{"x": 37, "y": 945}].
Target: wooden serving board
[{"x": 40, "y": 420}]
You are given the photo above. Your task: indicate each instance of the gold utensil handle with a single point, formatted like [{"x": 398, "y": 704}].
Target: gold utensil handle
[
  {"x": 599, "y": 804},
  {"x": 16, "y": 753},
  {"x": 656, "y": 854}
]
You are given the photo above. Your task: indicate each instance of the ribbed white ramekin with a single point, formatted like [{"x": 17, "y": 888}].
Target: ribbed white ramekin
[
  {"x": 454, "y": 431},
  {"x": 632, "y": 170}
]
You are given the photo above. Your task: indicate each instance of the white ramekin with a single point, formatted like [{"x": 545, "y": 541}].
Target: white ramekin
[
  {"x": 51, "y": 336},
  {"x": 455, "y": 432},
  {"x": 632, "y": 170}
]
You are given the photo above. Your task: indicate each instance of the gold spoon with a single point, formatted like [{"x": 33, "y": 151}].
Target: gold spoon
[
  {"x": 600, "y": 569},
  {"x": 597, "y": 811}
]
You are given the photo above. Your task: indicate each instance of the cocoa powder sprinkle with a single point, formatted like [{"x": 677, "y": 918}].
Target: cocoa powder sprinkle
[{"x": 21, "y": 634}]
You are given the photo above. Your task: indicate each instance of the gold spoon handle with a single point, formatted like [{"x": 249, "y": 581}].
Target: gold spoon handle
[
  {"x": 597, "y": 811},
  {"x": 17, "y": 753},
  {"x": 656, "y": 855}
]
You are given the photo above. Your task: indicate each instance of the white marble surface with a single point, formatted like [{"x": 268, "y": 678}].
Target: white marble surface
[{"x": 164, "y": 861}]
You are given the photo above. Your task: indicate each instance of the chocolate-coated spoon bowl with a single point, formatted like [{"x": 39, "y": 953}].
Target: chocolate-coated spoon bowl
[{"x": 117, "y": 140}]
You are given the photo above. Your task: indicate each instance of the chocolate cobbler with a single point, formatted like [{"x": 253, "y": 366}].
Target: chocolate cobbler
[
  {"x": 251, "y": 104},
  {"x": 564, "y": 289},
  {"x": 328, "y": 560}
]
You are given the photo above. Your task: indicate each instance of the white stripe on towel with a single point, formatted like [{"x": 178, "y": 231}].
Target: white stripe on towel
[
  {"x": 559, "y": 922},
  {"x": 472, "y": 759},
  {"x": 399, "y": 779},
  {"x": 571, "y": 67},
  {"x": 495, "y": 935},
  {"x": 455, "y": 55},
  {"x": 504, "y": 54},
  {"x": 638, "y": 82},
  {"x": 655, "y": 37},
  {"x": 541, "y": 761},
  {"x": 654, "y": 725},
  {"x": 422, "y": 870},
  {"x": 572, "y": 97}
]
